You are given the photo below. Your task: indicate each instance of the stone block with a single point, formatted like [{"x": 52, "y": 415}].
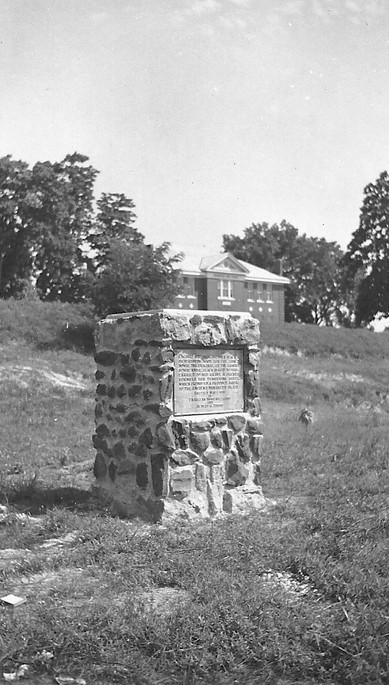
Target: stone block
[
  {"x": 126, "y": 467},
  {"x": 142, "y": 477},
  {"x": 213, "y": 455},
  {"x": 119, "y": 451},
  {"x": 112, "y": 469},
  {"x": 216, "y": 438},
  {"x": 199, "y": 441},
  {"x": 165, "y": 436},
  {"x": 237, "y": 421},
  {"x": 256, "y": 446},
  {"x": 184, "y": 457},
  {"x": 146, "y": 437},
  {"x": 181, "y": 480},
  {"x": 242, "y": 444},
  {"x": 201, "y": 477},
  {"x": 100, "y": 467},
  {"x": 106, "y": 358},
  {"x": 254, "y": 425},
  {"x": 158, "y": 474},
  {"x": 180, "y": 430},
  {"x": 227, "y": 435}
]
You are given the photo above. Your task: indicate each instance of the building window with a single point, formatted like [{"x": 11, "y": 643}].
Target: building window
[
  {"x": 225, "y": 291},
  {"x": 265, "y": 292},
  {"x": 189, "y": 287},
  {"x": 250, "y": 291}
]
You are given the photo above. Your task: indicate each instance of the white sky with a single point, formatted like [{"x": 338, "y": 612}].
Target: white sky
[{"x": 209, "y": 114}]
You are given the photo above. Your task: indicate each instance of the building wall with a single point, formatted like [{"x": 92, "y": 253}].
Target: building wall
[{"x": 245, "y": 297}]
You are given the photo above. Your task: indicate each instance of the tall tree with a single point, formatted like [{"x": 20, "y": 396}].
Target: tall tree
[
  {"x": 114, "y": 221},
  {"x": 63, "y": 220},
  {"x": 367, "y": 257},
  {"x": 315, "y": 293},
  {"x": 16, "y": 231}
]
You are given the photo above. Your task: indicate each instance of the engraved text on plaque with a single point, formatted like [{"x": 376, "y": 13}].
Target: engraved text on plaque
[{"x": 208, "y": 381}]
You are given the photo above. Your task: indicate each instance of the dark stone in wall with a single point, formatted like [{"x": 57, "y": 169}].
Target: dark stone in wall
[
  {"x": 147, "y": 394},
  {"x": 121, "y": 408},
  {"x": 242, "y": 442},
  {"x": 237, "y": 421},
  {"x": 134, "y": 390},
  {"x": 199, "y": 441},
  {"x": 106, "y": 358},
  {"x": 97, "y": 442},
  {"x": 100, "y": 467},
  {"x": 112, "y": 468},
  {"x": 111, "y": 391},
  {"x": 98, "y": 411},
  {"x": 141, "y": 475},
  {"x": 121, "y": 391},
  {"x": 102, "y": 430},
  {"x": 126, "y": 467},
  {"x": 99, "y": 375},
  {"x": 101, "y": 389},
  {"x": 119, "y": 450},
  {"x": 180, "y": 430},
  {"x": 140, "y": 451},
  {"x": 146, "y": 438},
  {"x": 227, "y": 434},
  {"x": 216, "y": 438},
  {"x": 128, "y": 373},
  {"x": 157, "y": 469},
  {"x": 135, "y": 354}
]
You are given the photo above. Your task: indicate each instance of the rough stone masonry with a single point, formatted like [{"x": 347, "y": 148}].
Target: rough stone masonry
[{"x": 178, "y": 425}]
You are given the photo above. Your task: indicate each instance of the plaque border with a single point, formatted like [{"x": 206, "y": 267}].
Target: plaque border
[{"x": 206, "y": 412}]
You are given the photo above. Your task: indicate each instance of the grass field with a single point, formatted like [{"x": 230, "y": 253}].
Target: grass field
[{"x": 297, "y": 594}]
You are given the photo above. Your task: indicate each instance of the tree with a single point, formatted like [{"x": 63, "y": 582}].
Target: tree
[
  {"x": 114, "y": 221},
  {"x": 16, "y": 231},
  {"x": 315, "y": 294},
  {"x": 366, "y": 261},
  {"x": 63, "y": 218},
  {"x": 135, "y": 277}
]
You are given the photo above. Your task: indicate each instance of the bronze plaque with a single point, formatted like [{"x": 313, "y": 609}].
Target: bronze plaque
[{"x": 208, "y": 381}]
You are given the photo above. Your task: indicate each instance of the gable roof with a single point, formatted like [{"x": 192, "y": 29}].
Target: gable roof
[{"x": 225, "y": 262}]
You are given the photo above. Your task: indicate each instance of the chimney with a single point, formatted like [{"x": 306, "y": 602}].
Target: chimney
[{"x": 279, "y": 266}]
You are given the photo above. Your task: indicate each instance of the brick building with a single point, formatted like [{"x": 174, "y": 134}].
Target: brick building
[{"x": 220, "y": 282}]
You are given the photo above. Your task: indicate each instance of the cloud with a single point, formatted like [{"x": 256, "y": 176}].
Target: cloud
[
  {"x": 200, "y": 7},
  {"x": 292, "y": 7},
  {"x": 241, "y": 3}
]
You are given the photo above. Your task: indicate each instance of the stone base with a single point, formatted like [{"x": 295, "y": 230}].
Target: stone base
[{"x": 240, "y": 500}]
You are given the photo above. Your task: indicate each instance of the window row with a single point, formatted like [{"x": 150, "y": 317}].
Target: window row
[
  {"x": 260, "y": 292},
  {"x": 256, "y": 292}
]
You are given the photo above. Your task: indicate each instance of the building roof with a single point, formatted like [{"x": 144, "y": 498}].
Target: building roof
[{"x": 225, "y": 262}]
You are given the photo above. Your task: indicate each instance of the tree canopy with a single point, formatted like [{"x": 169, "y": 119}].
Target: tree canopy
[
  {"x": 366, "y": 261},
  {"x": 54, "y": 234},
  {"x": 315, "y": 294}
]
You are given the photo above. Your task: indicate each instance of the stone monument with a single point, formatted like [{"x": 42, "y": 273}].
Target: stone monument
[{"x": 178, "y": 425}]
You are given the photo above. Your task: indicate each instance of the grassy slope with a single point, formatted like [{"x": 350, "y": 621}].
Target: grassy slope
[{"x": 323, "y": 618}]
